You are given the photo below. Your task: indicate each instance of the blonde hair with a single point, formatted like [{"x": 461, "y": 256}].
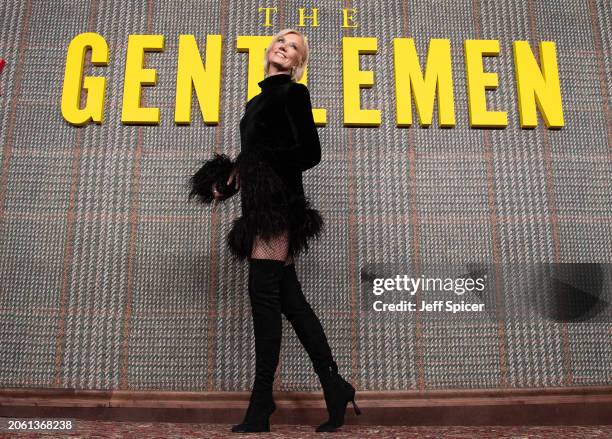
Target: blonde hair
[{"x": 298, "y": 71}]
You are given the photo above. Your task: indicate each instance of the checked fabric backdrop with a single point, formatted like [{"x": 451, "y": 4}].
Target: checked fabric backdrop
[{"x": 111, "y": 280}]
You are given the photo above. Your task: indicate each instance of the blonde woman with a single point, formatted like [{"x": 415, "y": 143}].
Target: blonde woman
[{"x": 279, "y": 141}]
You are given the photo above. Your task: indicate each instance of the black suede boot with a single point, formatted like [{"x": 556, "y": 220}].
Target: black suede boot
[
  {"x": 338, "y": 393},
  {"x": 336, "y": 390},
  {"x": 264, "y": 292},
  {"x": 304, "y": 321}
]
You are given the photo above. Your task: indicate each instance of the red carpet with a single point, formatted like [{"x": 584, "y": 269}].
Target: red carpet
[{"x": 99, "y": 429}]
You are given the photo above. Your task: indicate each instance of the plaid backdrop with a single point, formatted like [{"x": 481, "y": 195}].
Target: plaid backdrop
[{"x": 109, "y": 279}]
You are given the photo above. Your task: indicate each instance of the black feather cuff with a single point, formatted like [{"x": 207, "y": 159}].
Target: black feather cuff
[{"x": 215, "y": 171}]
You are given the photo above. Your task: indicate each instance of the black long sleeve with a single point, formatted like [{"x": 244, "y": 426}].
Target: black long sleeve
[{"x": 306, "y": 152}]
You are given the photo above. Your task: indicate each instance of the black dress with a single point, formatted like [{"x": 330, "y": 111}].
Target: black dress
[{"x": 279, "y": 141}]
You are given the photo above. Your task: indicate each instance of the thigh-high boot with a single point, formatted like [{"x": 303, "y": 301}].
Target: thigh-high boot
[
  {"x": 264, "y": 293},
  {"x": 337, "y": 391}
]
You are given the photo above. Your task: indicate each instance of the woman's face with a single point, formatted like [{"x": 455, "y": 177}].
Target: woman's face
[{"x": 286, "y": 52}]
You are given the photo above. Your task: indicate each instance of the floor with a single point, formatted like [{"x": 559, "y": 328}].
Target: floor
[{"x": 101, "y": 429}]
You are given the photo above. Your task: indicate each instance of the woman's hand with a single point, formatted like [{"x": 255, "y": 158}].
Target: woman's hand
[
  {"x": 234, "y": 176},
  {"x": 218, "y": 195}
]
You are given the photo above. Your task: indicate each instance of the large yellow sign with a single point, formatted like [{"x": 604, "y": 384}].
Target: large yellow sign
[{"x": 538, "y": 88}]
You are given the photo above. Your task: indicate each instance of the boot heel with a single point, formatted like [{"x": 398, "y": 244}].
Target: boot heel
[{"x": 356, "y": 407}]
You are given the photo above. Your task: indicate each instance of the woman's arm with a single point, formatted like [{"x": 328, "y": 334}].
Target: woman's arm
[{"x": 306, "y": 152}]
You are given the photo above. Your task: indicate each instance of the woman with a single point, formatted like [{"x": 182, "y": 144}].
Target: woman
[{"x": 279, "y": 141}]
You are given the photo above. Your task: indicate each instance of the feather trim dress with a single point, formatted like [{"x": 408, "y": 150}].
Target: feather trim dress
[{"x": 279, "y": 141}]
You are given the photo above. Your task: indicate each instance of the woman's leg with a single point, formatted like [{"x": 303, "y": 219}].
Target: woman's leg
[
  {"x": 265, "y": 273},
  {"x": 305, "y": 322},
  {"x": 277, "y": 248},
  {"x": 266, "y": 270},
  {"x": 337, "y": 391}
]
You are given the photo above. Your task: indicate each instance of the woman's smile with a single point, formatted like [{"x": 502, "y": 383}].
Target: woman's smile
[{"x": 286, "y": 52}]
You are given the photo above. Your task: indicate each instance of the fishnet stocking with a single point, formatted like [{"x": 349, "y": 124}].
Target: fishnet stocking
[{"x": 277, "y": 248}]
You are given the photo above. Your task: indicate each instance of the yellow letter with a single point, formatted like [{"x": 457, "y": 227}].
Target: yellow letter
[
  {"x": 533, "y": 85},
  {"x": 408, "y": 76},
  {"x": 347, "y": 17},
  {"x": 314, "y": 17},
  {"x": 207, "y": 82},
  {"x": 256, "y": 47},
  {"x": 95, "y": 86},
  {"x": 268, "y": 10},
  {"x": 136, "y": 76},
  {"x": 355, "y": 79},
  {"x": 319, "y": 114},
  {"x": 478, "y": 81}
]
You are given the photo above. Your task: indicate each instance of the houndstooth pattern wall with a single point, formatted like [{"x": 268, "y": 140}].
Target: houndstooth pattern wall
[{"x": 111, "y": 280}]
